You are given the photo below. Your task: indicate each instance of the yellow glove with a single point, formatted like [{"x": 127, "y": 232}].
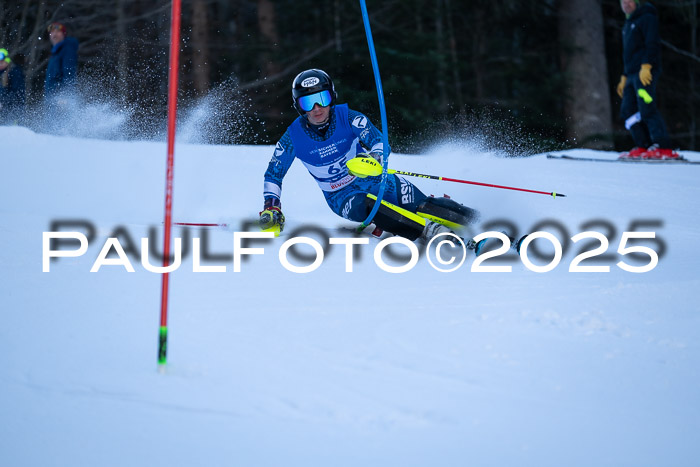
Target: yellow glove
[
  {"x": 645, "y": 74},
  {"x": 272, "y": 220},
  {"x": 621, "y": 85}
]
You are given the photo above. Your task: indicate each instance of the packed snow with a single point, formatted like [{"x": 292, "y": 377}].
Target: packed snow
[{"x": 267, "y": 367}]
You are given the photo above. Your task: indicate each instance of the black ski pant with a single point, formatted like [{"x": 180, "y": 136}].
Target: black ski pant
[{"x": 643, "y": 120}]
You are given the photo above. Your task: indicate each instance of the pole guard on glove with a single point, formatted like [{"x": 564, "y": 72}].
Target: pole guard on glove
[{"x": 272, "y": 220}]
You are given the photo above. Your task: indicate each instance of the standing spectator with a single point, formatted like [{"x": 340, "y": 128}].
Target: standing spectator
[
  {"x": 637, "y": 87},
  {"x": 12, "y": 95},
  {"x": 62, "y": 71}
]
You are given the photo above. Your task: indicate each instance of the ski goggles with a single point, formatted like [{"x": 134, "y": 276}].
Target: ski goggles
[
  {"x": 4, "y": 54},
  {"x": 322, "y": 98}
]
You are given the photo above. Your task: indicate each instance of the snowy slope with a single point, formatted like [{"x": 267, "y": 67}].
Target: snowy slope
[{"x": 269, "y": 367}]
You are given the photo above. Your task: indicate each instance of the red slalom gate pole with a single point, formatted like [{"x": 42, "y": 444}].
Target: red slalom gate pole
[{"x": 172, "y": 114}]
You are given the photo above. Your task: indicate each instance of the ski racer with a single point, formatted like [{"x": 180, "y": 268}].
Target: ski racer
[{"x": 324, "y": 137}]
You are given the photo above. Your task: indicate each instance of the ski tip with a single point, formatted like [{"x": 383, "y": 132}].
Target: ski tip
[{"x": 555, "y": 194}]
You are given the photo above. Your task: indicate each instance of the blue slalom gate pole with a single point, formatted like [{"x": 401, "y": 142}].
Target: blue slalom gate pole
[{"x": 382, "y": 110}]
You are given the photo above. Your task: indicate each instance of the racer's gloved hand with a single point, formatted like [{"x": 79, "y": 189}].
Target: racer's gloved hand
[
  {"x": 645, "y": 74},
  {"x": 272, "y": 220},
  {"x": 364, "y": 165},
  {"x": 621, "y": 85}
]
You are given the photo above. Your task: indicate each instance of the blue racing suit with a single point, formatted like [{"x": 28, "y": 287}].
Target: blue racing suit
[{"x": 324, "y": 156}]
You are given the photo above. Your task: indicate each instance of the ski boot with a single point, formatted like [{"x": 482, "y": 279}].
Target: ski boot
[
  {"x": 448, "y": 212},
  {"x": 492, "y": 242},
  {"x": 657, "y": 153},
  {"x": 635, "y": 153}
]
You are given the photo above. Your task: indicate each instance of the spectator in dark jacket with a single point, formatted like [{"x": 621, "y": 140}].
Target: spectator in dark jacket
[
  {"x": 62, "y": 71},
  {"x": 637, "y": 87},
  {"x": 12, "y": 96}
]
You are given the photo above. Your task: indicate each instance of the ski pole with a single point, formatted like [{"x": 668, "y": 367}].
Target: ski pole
[
  {"x": 198, "y": 224},
  {"x": 367, "y": 166}
]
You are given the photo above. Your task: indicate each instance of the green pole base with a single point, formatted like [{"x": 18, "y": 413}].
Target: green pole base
[{"x": 162, "y": 345}]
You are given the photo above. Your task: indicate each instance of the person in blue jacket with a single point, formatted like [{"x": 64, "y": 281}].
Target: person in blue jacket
[
  {"x": 62, "y": 70},
  {"x": 324, "y": 137},
  {"x": 12, "y": 94},
  {"x": 637, "y": 87}
]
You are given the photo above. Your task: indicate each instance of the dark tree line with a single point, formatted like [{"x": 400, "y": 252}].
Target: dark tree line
[{"x": 544, "y": 68}]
